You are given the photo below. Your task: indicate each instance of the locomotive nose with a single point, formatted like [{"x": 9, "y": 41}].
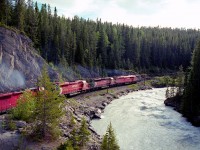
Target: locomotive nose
[{"x": 60, "y": 89}]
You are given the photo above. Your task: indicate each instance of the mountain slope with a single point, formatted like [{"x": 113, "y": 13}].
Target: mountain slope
[{"x": 20, "y": 64}]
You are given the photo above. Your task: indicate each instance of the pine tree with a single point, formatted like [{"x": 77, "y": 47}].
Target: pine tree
[
  {"x": 191, "y": 102},
  {"x": 109, "y": 140},
  {"x": 66, "y": 146},
  {"x": 74, "y": 139},
  {"x": 102, "y": 46},
  {"x": 5, "y": 11},
  {"x": 83, "y": 133},
  {"x": 19, "y": 14},
  {"x": 48, "y": 108},
  {"x": 31, "y": 21},
  {"x": 172, "y": 89},
  {"x": 180, "y": 81},
  {"x": 36, "y": 37},
  {"x": 167, "y": 94},
  {"x": 2, "y": 10}
]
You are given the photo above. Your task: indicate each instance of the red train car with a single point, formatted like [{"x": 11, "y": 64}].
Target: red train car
[
  {"x": 125, "y": 79},
  {"x": 9, "y": 100},
  {"x": 15, "y": 97},
  {"x": 103, "y": 82},
  {"x": 5, "y": 101},
  {"x": 67, "y": 88}
]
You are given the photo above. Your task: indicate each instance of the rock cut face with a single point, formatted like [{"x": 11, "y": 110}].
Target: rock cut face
[{"x": 20, "y": 64}]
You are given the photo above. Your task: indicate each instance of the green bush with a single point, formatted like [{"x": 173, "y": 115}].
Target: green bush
[
  {"x": 162, "y": 81},
  {"x": 66, "y": 146},
  {"x": 25, "y": 107},
  {"x": 11, "y": 125}
]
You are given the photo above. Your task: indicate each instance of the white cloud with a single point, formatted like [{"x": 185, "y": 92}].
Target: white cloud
[{"x": 166, "y": 13}]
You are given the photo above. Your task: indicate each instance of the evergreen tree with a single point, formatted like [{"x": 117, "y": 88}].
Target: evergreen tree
[
  {"x": 172, "y": 89},
  {"x": 167, "y": 94},
  {"x": 48, "y": 108},
  {"x": 2, "y": 10},
  {"x": 5, "y": 11},
  {"x": 31, "y": 21},
  {"x": 109, "y": 140},
  {"x": 180, "y": 81},
  {"x": 79, "y": 136},
  {"x": 191, "y": 101},
  {"x": 74, "y": 139},
  {"x": 102, "y": 46},
  {"x": 83, "y": 133},
  {"x": 36, "y": 35},
  {"x": 66, "y": 146},
  {"x": 19, "y": 14}
]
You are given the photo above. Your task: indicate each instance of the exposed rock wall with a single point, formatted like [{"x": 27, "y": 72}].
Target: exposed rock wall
[{"x": 20, "y": 64}]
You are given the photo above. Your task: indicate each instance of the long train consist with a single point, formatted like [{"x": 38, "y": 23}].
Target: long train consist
[{"x": 9, "y": 100}]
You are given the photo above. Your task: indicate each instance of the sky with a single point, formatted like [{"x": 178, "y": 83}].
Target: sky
[{"x": 163, "y": 13}]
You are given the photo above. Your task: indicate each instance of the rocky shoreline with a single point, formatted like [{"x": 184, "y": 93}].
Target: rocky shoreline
[
  {"x": 175, "y": 102},
  {"x": 92, "y": 105},
  {"x": 89, "y": 105}
]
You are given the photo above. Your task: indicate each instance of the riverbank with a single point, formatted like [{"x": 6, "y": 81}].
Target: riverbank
[
  {"x": 175, "y": 102},
  {"x": 92, "y": 105},
  {"x": 88, "y": 105}
]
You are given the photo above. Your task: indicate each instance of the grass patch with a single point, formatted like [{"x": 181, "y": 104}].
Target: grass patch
[
  {"x": 162, "y": 81},
  {"x": 134, "y": 86}
]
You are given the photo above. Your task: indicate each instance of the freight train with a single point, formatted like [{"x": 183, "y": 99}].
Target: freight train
[{"x": 9, "y": 100}]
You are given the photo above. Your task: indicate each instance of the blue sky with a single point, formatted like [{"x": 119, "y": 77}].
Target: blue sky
[{"x": 165, "y": 13}]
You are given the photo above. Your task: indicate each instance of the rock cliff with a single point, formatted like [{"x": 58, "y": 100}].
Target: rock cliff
[{"x": 20, "y": 64}]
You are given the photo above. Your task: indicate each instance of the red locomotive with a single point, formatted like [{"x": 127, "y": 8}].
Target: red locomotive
[
  {"x": 70, "y": 88},
  {"x": 125, "y": 79},
  {"x": 102, "y": 83},
  {"x": 9, "y": 100}
]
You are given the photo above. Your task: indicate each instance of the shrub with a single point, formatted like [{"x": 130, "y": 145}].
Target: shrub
[
  {"x": 11, "y": 125},
  {"x": 25, "y": 107}
]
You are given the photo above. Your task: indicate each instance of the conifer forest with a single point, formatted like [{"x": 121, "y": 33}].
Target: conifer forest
[{"x": 93, "y": 43}]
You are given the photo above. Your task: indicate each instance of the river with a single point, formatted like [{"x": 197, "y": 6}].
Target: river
[{"x": 142, "y": 122}]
